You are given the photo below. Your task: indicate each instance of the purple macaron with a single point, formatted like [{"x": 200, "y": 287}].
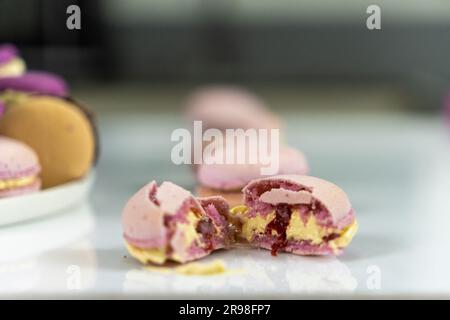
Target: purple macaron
[
  {"x": 19, "y": 168},
  {"x": 7, "y": 53},
  {"x": 36, "y": 82}
]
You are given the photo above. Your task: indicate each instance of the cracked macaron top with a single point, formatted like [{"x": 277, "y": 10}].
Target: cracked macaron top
[
  {"x": 236, "y": 176},
  {"x": 35, "y": 82},
  {"x": 227, "y": 107},
  {"x": 11, "y": 65},
  {"x": 262, "y": 194}
]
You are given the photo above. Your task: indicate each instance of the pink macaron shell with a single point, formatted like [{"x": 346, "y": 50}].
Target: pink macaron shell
[
  {"x": 330, "y": 195},
  {"x": 32, "y": 188},
  {"x": 236, "y": 176},
  {"x": 17, "y": 160},
  {"x": 7, "y": 53},
  {"x": 2, "y": 108},
  {"x": 143, "y": 215},
  {"x": 142, "y": 220}
]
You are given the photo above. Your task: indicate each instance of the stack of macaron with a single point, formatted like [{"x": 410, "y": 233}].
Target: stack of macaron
[
  {"x": 226, "y": 107},
  {"x": 298, "y": 214},
  {"x": 237, "y": 205},
  {"x": 38, "y": 114}
]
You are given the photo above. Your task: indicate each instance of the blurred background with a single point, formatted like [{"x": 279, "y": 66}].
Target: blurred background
[
  {"x": 255, "y": 43},
  {"x": 365, "y": 106}
]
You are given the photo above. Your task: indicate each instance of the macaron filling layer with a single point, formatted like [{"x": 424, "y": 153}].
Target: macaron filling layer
[
  {"x": 283, "y": 216},
  {"x": 13, "y": 68}
]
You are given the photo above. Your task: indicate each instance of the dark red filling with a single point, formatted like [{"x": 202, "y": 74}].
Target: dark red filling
[
  {"x": 330, "y": 237},
  {"x": 279, "y": 224},
  {"x": 206, "y": 228}
]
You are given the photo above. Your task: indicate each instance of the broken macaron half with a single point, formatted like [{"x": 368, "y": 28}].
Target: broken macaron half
[{"x": 299, "y": 214}]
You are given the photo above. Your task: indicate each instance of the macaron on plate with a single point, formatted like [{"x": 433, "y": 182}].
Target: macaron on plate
[{"x": 45, "y": 202}]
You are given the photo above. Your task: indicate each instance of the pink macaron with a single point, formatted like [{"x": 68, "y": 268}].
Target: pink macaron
[
  {"x": 227, "y": 180},
  {"x": 19, "y": 169},
  {"x": 166, "y": 223}
]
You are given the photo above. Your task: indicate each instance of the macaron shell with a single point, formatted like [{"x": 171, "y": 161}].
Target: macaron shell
[
  {"x": 14, "y": 68},
  {"x": 36, "y": 186},
  {"x": 17, "y": 160},
  {"x": 44, "y": 83},
  {"x": 59, "y": 133},
  {"x": 329, "y": 194}
]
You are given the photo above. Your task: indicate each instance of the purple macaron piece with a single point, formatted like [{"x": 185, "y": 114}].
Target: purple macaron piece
[
  {"x": 7, "y": 53},
  {"x": 36, "y": 82},
  {"x": 2, "y": 108}
]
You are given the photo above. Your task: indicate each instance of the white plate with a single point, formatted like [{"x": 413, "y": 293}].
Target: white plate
[{"x": 53, "y": 200}]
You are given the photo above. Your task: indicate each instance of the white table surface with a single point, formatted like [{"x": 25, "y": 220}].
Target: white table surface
[{"x": 395, "y": 169}]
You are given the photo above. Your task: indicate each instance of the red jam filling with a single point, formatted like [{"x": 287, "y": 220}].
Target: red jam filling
[{"x": 279, "y": 224}]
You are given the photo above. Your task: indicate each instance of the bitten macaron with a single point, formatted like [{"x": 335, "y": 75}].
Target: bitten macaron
[
  {"x": 60, "y": 133},
  {"x": 19, "y": 168}
]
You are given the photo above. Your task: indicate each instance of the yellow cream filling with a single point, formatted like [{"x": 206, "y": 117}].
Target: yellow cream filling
[
  {"x": 17, "y": 183},
  {"x": 298, "y": 229},
  {"x": 12, "y": 97},
  {"x": 346, "y": 236},
  {"x": 190, "y": 234},
  {"x": 309, "y": 230}
]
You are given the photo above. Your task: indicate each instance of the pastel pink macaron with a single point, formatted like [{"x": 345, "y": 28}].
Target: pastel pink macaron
[
  {"x": 228, "y": 107},
  {"x": 19, "y": 169},
  {"x": 299, "y": 214},
  {"x": 227, "y": 180},
  {"x": 166, "y": 223}
]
